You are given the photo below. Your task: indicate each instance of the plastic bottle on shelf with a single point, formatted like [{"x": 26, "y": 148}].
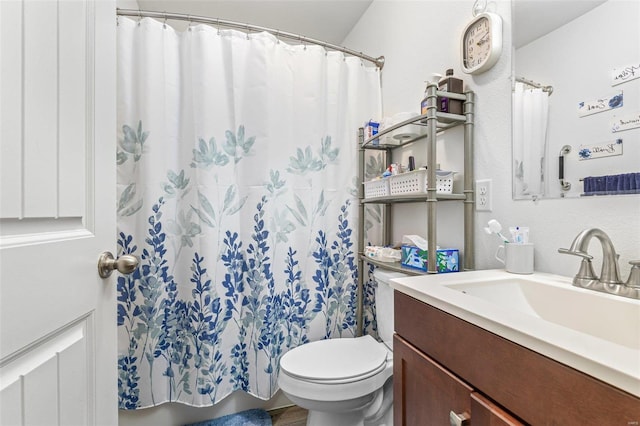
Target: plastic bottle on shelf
[
  {"x": 449, "y": 83},
  {"x": 423, "y": 105}
]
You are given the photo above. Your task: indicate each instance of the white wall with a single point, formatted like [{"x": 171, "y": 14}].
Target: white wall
[
  {"x": 127, "y": 4},
  {"x": 421, "y": 37}
]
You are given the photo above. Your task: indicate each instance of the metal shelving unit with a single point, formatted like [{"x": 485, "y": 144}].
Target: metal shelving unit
[{"x": 435, "y": 123}]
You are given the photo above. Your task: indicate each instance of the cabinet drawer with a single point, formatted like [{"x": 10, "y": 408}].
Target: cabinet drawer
[
  {"x": 424, "y": 392},
  {"x": 535, "y": 388},
  {"x": 485, "y": 413}
]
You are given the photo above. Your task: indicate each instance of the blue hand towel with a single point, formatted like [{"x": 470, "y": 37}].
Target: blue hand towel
[{"x": 245, "y": 418}]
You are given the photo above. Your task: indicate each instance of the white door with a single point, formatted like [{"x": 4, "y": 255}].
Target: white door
[{"x": 57, "y": 212}]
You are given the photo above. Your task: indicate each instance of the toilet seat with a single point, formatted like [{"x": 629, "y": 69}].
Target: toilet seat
[
  {"x": 336, "y": 361},
  {"x": 335, "y": 370}
]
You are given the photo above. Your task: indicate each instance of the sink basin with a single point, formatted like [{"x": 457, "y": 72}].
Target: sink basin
[
  {"x": 583, "y": 311},
  {"x": 593, "y": 332}
]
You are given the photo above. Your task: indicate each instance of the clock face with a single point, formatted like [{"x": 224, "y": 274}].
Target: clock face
[
  {"x": 481, "y": 43},
  {"x": 477, "y": 43}
]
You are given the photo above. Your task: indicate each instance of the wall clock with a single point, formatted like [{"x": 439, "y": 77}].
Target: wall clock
[{"x": 481, "y": 43}]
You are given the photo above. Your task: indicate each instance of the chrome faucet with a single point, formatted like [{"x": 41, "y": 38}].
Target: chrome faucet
[{"x": 609, "y": 280}]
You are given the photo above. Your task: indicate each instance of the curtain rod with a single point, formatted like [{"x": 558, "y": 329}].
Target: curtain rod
[
  {"x": 379, "y": 61},
  {"x": 548, "y": 89}
]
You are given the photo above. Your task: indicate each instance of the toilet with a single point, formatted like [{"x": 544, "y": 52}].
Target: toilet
[{"x": 346, "y": 382}]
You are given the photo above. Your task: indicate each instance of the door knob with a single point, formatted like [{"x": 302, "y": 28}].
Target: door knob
[{"x": 125, "y": 264}]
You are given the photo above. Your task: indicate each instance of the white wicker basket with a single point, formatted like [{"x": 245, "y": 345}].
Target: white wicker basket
[
  {"x": 444, "y": 182},
  {"x": 376, "y": 188},
  {"x": 408, "y": 183},
  {"x": 416, "y": 182}
]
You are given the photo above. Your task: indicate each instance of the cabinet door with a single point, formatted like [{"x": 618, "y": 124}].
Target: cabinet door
[
  {"x": 424, "y": 392},
  {"x": 485, "y": 413}
]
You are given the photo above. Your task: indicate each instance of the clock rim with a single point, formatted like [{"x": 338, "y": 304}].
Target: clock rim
[{"x": 495, "y": 24}]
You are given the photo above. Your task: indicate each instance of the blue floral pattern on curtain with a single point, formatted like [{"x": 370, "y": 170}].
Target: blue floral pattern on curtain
[{"x": 246, "y": 247}]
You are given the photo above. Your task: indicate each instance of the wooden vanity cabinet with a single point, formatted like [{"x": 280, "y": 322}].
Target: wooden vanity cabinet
[
  {"x": 444, "y": 364},
  {"x": 425, "y": 393}
]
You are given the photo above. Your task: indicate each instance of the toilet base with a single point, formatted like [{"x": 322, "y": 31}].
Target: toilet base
[
  {"x": 375, "y": 409},
  {"x": 353, "y": 418},
  {"x": 323, "y": 418},
  {"x": 386, "y": 420}
]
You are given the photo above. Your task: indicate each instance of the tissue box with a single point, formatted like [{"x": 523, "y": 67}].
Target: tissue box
[{"x": 414, "y": 257}]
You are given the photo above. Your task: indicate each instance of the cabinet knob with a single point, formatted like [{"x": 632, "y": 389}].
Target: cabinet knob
[{"x": 462, "y": 419}]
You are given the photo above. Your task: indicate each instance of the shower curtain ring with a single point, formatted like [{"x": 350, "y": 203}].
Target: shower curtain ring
[
  {"x": 164, "y": 23},
  {"x": 189, "y": 19},
  {"x": 246, "y": 28},
  {"x": 139, "y": 16},
  {"x": 218, "y": 25},
  {"x": 277, "y": 39}
]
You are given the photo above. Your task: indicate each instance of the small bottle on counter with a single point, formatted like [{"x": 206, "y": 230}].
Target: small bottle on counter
[{"x": 449, "y": 83}]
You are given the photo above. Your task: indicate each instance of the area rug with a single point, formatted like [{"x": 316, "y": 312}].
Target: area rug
[{"x": 245, "y": 418}]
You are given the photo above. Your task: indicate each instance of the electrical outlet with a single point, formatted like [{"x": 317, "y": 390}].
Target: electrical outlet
[{"x": 483, "y": 195}]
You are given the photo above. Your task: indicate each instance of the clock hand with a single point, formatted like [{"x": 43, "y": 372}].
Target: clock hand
[{"x": 483, "y": 40}]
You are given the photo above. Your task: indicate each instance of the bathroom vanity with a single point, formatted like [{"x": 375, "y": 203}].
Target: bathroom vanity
[{"x": 448, "y": 370}]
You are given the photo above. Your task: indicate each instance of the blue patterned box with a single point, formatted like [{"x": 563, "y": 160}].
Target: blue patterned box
[{"x": 414, "y": 257}]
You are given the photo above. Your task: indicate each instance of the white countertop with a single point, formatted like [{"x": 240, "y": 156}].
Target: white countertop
[{"x": 611, "y": 362}]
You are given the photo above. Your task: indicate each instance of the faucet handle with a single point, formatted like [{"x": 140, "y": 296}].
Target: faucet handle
[
  {"x": 634, "y": 275},
  {"x": 581, "y": 254}
]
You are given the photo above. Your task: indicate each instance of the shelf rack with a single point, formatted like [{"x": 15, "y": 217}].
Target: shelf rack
[{"x": 435, "y": 123}]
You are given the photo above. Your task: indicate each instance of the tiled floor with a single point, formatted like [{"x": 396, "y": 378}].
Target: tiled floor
[{"x": 289, "y": 416}]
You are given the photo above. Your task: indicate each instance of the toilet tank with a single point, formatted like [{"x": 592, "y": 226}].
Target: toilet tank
[{"x": 384, "y": 304}]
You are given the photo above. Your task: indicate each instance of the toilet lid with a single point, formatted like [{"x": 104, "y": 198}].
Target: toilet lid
[{"x": 336, "y": 359}]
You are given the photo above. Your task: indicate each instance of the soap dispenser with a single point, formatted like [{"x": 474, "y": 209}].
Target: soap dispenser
[{"x": 435, "y": 78}]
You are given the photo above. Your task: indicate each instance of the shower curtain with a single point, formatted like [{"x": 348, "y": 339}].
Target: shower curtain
[
  {"x": 530, "y": 118},
  {"x": 237, "y": 190}
]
